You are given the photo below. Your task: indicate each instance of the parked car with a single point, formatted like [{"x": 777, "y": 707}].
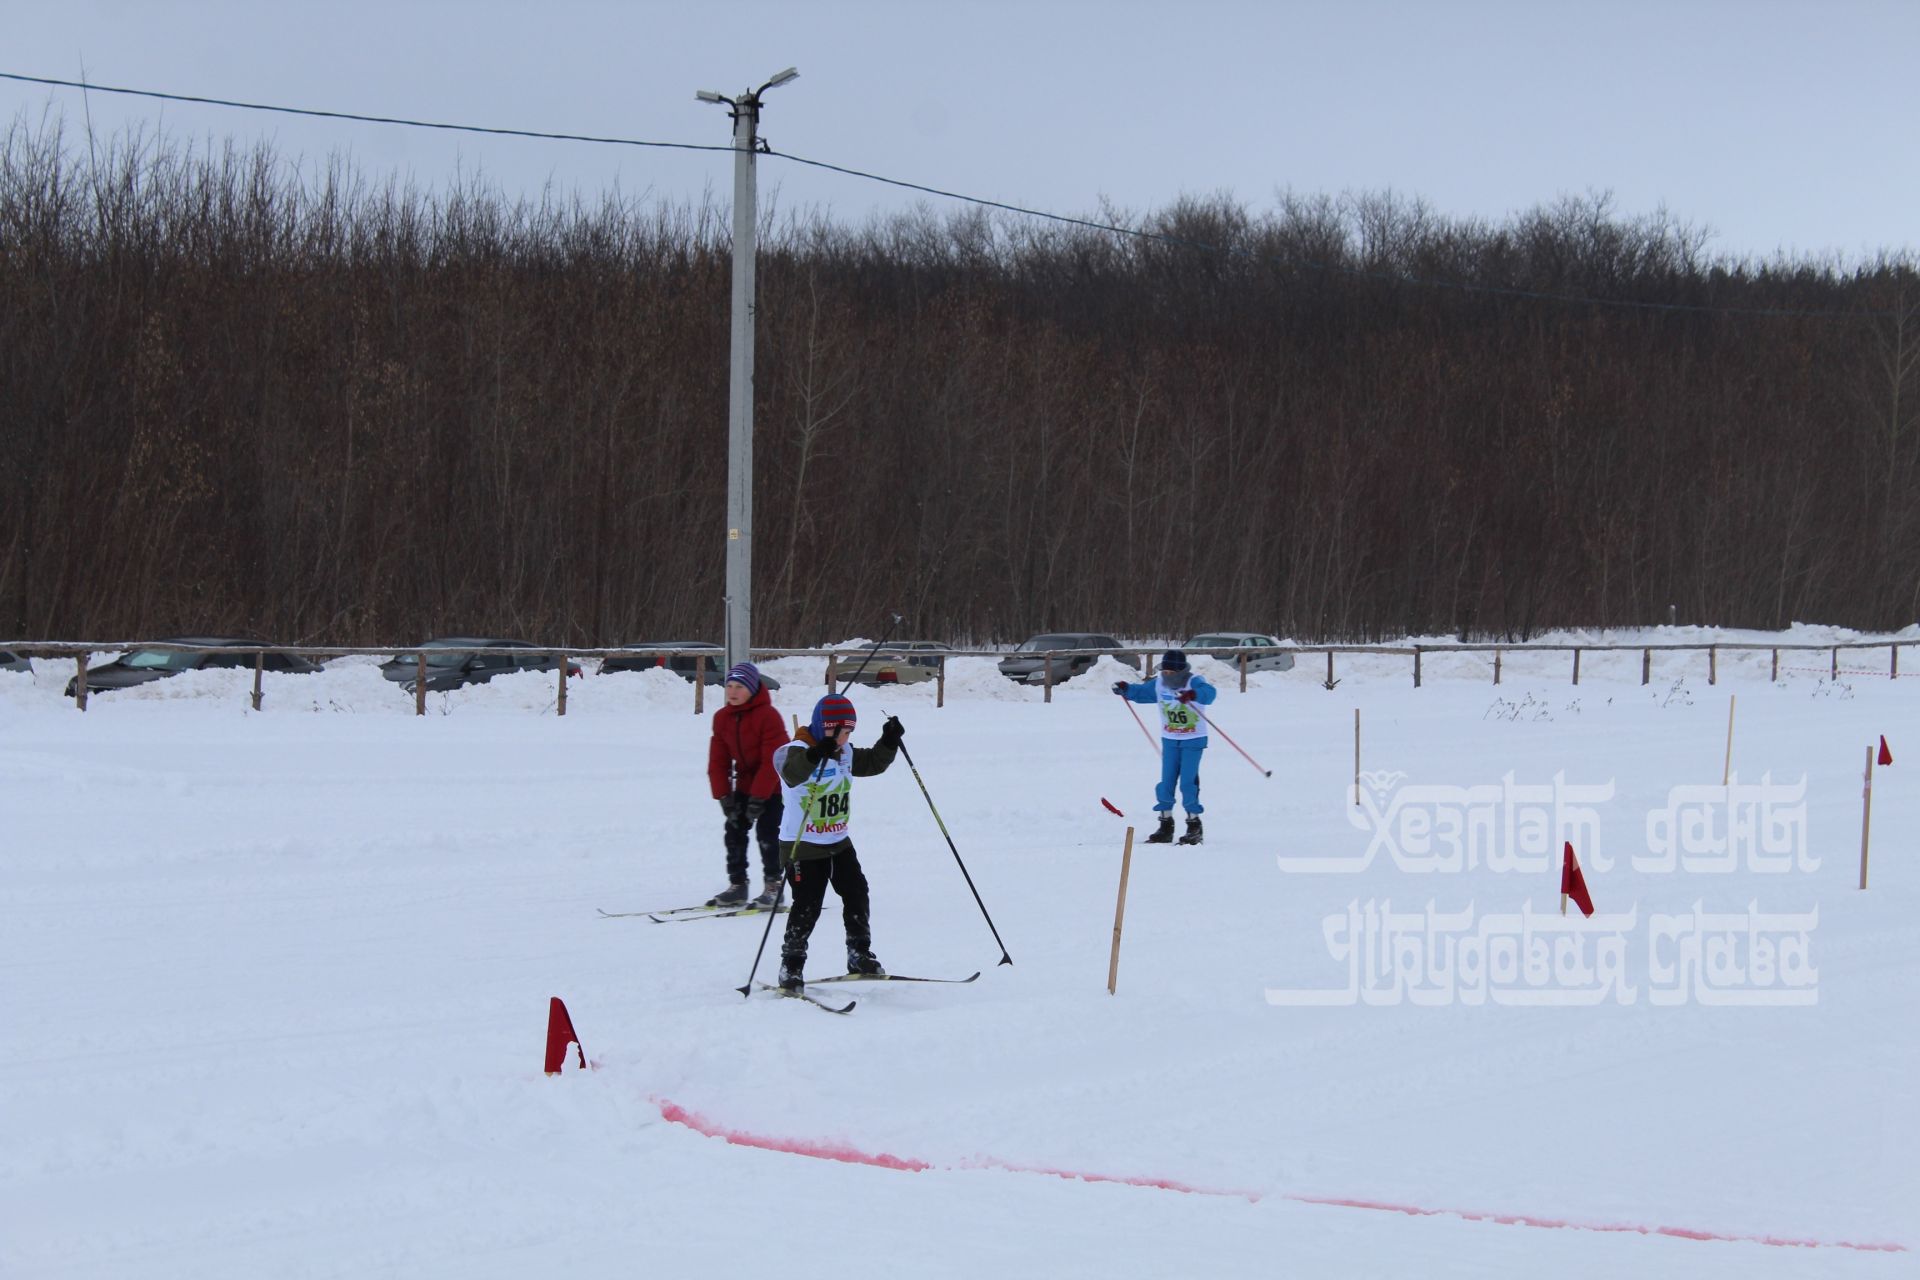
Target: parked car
[
  {"x": 1226, "y": 646},
  {"x": 144, "y": 666},
  {"x": 450, "y": 667},
  {"x": 648, "y": 654},
  {"x": 900, "y": 662},
  {"x": 1028, "y": 663},
  {"x": 10, "y": 661}
]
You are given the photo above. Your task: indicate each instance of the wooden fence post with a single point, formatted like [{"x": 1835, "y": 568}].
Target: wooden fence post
[
  {"x": 1416, "y": 666},
  {"x": 1893, "y": 668},
  {"x": 940, "y": 684},
  {"x": 1836, "y": 663},
  {"x": 80, "y": 681},
  {"x": 1496, "y": 666},
  {"x": 1576, "y": 664},
  {"x": 829, "y": 672},
  {"x": 1646, "y": 666},
  {"x": 1330, "y": 680},
  {"x": 259, "y": 665},
  {"x": 699, "y": 683},
  {"x": 1775, "y": 677},
  {"x": 1713, "y": 664},
  {"x": 1243, "y": 673},
  {"x": 420, "y": 684},
  {"x": 1048, "y": 696},
  {"x": 560, "y": 703}
]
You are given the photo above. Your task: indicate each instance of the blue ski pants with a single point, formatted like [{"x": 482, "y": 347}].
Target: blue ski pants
[{"x": 1179, "y": 762}]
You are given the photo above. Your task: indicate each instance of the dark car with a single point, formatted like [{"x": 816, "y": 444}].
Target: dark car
[
  {"x": 1028, "y": 663},
  {"x": 144, "y": 666},
  {"x": 900, "y": 662},
  {"x": 10, "y": 661},
  {"x": 649, "y": 654},
  {"x": 450, "y": 665}
]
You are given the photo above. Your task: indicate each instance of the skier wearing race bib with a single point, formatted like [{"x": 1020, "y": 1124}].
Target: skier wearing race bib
[
  {"x": 1183, "y": 736},
  {"x": 817, "y": 770}
]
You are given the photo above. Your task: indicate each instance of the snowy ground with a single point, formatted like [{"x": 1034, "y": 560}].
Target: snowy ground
[{"x": 276, "y": 984}]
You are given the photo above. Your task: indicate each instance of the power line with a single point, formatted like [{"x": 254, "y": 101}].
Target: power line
[
  {"x": 1042, "y": 214},
  {"x": 88, "y": 87}
]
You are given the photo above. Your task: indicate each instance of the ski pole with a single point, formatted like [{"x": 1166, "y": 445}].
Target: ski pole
[
  {"x": 886, "y": 636},
  {"x": 1004, "y": 957},
  {"x": 1230, "y": 742},
  {"x": 1151, "y": 744},
  {"x": 773, "y": 912}
]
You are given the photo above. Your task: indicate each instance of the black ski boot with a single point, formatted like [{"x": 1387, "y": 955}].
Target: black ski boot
[
  {"x": 791, "y": 980},
  {"x": 734, "y": 895},
  {"x": 1194, "y": 834},
  {"x": 862, "y": 961},
  {"x": 1164, "y": 833}
]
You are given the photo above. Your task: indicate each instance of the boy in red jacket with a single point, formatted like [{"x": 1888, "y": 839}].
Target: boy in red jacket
[{"x": 746, "y": 732}]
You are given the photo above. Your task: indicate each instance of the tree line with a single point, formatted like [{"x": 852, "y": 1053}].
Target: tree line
[{"x": 238, "y": 394}]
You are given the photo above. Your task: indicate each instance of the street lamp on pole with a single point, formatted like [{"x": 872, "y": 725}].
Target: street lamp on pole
[{"x": 745, "y": 111}]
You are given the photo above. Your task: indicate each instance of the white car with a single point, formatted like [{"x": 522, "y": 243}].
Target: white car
[{"x": 1228, "y": 645}]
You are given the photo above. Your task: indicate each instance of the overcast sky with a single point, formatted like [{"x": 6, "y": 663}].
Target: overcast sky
[{"x": 1779, "y": 124}]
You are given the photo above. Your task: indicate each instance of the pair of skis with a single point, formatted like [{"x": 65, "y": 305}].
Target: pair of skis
[
  {"x": 676, "y": 915},
  {"x": 708, "y": 911},
  {"x": 818, "y": 1003}
]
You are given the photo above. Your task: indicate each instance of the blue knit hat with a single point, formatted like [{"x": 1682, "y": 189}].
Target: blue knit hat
[
  {"x": 832, "y": 709},
  {"x": 1173, "y": 660},
  {"x": 745, "y": 673}
]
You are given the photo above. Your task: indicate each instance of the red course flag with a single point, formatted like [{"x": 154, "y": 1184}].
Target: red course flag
[
  {"x": 1572, "y": 883},
  {"x": 1886, "y": 756},
  {"x": 560, "y": 1034}
]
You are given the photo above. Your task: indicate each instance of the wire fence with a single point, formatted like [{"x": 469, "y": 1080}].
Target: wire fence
[{"x": 423, "y": 669}]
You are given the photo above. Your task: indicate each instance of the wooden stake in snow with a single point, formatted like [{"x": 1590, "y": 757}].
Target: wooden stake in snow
[
  {"x": 1119, "y": 913},
  {"x": 1866, "y": 816},
  {"x": 1356, "y": 757},
  {"x": 1726, "y": 769}
]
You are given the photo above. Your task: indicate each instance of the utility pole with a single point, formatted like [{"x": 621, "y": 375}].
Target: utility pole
[{"x": 745, "y": 111}]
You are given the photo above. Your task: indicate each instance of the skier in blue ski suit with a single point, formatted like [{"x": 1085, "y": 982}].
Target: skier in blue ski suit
[{"x": 1183, "y": 736}]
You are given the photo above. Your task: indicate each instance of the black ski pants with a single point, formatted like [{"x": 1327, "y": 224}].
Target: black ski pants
[
  {"x": 809, "y": 878},
  {"x": 766, "y": 833}
]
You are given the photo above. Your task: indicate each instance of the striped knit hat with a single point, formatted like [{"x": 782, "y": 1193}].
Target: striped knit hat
[
  {"x": 832, "y": 709},
  {"x": 745, "y": 673}
]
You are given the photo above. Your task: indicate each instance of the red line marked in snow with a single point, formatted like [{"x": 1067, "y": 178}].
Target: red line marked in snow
[{"x": 846, "y": 1154}]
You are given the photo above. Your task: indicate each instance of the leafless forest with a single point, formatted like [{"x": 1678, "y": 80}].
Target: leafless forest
[{"x": 238, "y": 394}]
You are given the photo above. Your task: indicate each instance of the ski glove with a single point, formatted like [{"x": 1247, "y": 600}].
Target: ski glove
[
  {"x": 733, "y": 804},
  {"x": 755, "y": 807},
  {"x": 818, "y": 751},
  {"x": 1187, "y": 695},
  {"x": 1120, "y": 687},
  {"x": 892, "y": 731}
]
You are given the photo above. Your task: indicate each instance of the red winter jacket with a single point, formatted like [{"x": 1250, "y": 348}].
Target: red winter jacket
[{"x": 744, "y": 740}]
